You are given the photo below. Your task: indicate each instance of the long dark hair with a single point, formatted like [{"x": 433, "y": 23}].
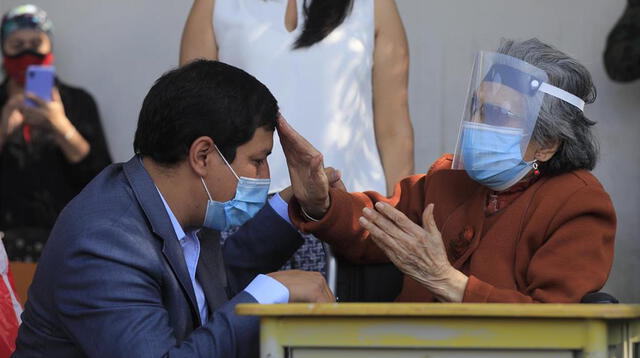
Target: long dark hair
[{"x": 321, "y": 17}]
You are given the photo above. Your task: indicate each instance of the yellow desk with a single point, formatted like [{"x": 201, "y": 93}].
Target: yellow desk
[{"x": 438, "y": 330}]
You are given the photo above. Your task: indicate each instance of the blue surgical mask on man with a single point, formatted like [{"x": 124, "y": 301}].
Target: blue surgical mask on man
[
  {"x": 251, "y": 195},
  {"x": 492, "y": 155}
]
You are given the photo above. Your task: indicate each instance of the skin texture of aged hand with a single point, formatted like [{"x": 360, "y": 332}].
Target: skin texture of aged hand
[
  {"x": 335, "y": 181},
  {"x": 309, "y": 180},
  {"x": 418, "y": 251}
]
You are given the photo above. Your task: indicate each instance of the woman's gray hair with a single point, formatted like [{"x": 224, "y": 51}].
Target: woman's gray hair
[{"x": 558, "y": 121}]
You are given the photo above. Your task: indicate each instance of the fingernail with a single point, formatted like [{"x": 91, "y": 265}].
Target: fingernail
[
  {"x": 379, "y": 205},
  {"x": 362, "y": 220}
]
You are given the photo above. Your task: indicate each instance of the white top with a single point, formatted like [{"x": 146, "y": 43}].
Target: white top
[{"x": 325, "y": 91}]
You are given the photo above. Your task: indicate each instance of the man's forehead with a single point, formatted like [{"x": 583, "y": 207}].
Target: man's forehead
[{"x": 260, "y": 144}]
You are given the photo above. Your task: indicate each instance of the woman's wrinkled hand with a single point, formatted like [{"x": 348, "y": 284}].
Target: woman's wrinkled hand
[
  {"x": 309, "y": 180},
  {"x": 418, "y": 251},
  {"x": 335, "y": 181}
]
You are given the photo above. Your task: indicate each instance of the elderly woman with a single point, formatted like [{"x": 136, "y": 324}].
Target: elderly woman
[{"x": 514, "y": 216}]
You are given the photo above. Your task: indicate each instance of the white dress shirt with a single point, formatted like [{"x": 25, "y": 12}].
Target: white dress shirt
[{"x": 263, "y": 288}]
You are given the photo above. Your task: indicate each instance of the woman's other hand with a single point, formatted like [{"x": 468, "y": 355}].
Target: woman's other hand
[{"x": 418, "y": 251}]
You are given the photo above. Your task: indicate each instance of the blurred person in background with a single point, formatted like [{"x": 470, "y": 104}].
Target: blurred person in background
[
  {"x": 339, "y": 69},
  {"x": 622, "y": 55},
  {"x": 48, "y": 152}
]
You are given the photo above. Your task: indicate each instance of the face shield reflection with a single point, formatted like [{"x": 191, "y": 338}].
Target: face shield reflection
[
  {"x": 504, "y": 99},
  {"x": 502, "y": 109}
]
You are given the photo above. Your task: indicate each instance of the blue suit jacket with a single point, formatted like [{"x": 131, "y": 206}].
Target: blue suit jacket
[{"x": 112, "y": 280}]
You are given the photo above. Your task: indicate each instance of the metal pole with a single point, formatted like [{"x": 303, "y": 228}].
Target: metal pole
[{"x": 331, "y": 268}]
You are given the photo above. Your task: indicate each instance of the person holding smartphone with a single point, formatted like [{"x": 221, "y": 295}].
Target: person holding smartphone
[{"x": 48, "y": 149}]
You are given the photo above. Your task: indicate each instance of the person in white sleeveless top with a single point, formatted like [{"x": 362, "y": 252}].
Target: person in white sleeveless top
[{"x": 339, "y": 70}]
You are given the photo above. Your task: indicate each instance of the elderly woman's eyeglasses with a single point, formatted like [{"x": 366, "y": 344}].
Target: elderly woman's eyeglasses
[{"x": 493, "y": 114}]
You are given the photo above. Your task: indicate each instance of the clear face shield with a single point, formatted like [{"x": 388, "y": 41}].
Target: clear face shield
[{"x": 504, "y": 99}]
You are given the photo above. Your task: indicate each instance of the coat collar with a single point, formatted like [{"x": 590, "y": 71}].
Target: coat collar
[{"x": 147, "y": 195}]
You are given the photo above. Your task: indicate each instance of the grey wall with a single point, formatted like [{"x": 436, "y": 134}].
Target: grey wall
[{"x": 117, "y": 48}]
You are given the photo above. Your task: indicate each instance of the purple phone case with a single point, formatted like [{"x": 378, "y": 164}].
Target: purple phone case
[{"x": 39, "y": 81}]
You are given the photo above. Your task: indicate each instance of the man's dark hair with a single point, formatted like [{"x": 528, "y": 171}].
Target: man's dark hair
[{"x": 203, "y": 98}]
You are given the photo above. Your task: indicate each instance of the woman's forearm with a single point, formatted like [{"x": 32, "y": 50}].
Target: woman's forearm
[
  {"x": 198, "y": 39},
  {"x": 392, "y": 123},
  {"x": 73, "y": 145},
  {"x": 396, "y": 153}
]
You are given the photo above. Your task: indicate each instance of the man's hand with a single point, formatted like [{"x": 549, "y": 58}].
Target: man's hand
[
  {"x": 418, "y": 252},
  {"x": 309, "y": 181},
  {"x": 304, "y": 286}
]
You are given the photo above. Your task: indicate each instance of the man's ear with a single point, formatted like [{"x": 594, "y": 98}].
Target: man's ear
[
  {"x": 201, "y": 156},
  {"x": 546, "y": 152}
]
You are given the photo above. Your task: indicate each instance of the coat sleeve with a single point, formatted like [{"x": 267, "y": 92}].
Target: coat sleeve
[
  {"x": 340, "y": 227},
  {"x": 262, "y": 245},
  {"x": 574, "y": 259},
  {"x": 109, "y": 301}
]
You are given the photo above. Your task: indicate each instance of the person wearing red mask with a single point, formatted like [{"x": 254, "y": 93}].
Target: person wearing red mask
[{"x": 48, "y": 152}]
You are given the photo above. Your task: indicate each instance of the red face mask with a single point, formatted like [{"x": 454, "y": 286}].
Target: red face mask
[{"x": 16, "y": 65}]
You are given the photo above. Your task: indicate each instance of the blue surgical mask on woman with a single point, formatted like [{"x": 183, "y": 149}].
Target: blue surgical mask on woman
[
  {"x": 251, "y": 195},
  {"x": 492, "y": 155}
]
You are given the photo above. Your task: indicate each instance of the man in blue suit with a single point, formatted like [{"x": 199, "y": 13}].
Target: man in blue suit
[{"x": 133, "y": 266}]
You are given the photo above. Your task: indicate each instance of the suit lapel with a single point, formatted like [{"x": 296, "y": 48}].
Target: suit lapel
[
  {"x": 147, "y": 195},
  {"x": 210, "y": 271}
]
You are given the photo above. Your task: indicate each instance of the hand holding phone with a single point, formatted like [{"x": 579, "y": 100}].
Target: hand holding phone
[
  {"x": 43, "y": 106},
  {"x": 39, "y": 81}
]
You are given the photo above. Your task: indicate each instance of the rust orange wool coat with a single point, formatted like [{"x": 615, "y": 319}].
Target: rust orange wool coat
[{"x": 554, "y": 243}]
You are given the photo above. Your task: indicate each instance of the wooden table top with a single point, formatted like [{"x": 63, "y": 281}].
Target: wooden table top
[{"x": 547, "y": 310}]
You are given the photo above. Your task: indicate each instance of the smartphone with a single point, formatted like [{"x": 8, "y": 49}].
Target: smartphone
[{"x": 39, "y": 81}]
